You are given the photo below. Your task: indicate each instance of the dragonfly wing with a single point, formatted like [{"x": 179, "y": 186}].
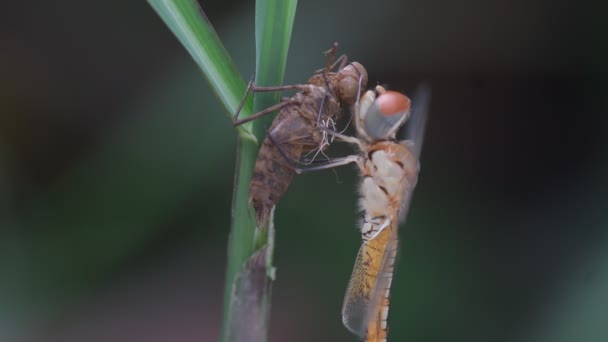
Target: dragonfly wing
[
  {"x": 366, "y": 301},
  {"x": 405, "y": 204},
  {"x": 377, "y": 326},
  {"x": 358, "y": 292},
  {"x": 414, "y": 135},
  {"x": 414, "y": 129}
]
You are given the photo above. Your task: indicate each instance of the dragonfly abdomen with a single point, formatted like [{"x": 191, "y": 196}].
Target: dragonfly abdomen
[
  {"x": 390, "y": 172},
  {"x": 385, "y": 246},
  {"x": 272, "y": 176}
]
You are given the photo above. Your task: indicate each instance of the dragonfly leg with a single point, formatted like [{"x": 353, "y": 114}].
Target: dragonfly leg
[
  {"x": 238, "y": 109},
  {"x": 251, "y": 87},
  {"x": 331, "y": 63},
  {"x": 260, "y": 89},
  {"x": 331, "y": 164},
  {"x": 341, "y": 62},
  {"x": 261, "y": 113},
  {"x": 342, "y": 137}
]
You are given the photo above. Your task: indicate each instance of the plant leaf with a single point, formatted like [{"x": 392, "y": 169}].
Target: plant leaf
[
  {"x": 189, "y": 24},
  {"x": 273, "y": 26},
  {"x": 247, "y": 304}
]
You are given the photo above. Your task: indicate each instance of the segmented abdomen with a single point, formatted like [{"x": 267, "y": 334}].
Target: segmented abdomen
[
  {"x": 377, "y": 328},
  {"x": 293, "y": 131},
  {"x": 272, "y": 175},
  {"x": 389, "y": 177}
]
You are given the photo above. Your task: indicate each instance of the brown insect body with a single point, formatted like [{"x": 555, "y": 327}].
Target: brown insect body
[
  {"x": 389, "y": 170},
  {"x": 296, "y": 130}
]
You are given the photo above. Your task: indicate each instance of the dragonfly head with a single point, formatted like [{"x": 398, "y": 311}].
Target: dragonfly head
[
  {"x": 381, "y": 113},
  {"x": 349, "y": 83}
]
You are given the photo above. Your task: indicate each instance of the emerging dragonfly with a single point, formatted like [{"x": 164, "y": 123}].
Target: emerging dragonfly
[
  {"x": 389, "y": 172},
  {"x": 298, "y": 127}
]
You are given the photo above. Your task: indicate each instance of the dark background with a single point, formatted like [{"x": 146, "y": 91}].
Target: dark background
[{"x": 116, "y": 170}]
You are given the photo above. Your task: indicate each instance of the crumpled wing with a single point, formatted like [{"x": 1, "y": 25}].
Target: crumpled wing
[{"x": 366, "y": 302}]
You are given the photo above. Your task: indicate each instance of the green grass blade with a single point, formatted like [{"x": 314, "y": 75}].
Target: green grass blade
[
  {"x": 187, "y": 21},
  {"x": 274, "y": 22},
  {"x": 247, "y": 246},
  {"x": 247, "y": 299}
]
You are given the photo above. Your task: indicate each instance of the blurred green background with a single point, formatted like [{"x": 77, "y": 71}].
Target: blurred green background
[{"x": 116, "y": 171}]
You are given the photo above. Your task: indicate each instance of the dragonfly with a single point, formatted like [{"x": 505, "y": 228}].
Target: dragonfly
[
  {"x": 298, "y": 127},
  {"x": 389, "y": 173}
]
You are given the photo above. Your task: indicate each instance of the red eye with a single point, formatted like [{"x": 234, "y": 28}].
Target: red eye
[{"x": 392, "y": 102}]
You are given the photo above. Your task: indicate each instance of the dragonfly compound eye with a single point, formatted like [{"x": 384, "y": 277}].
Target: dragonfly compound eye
[
  {"x": 392, "y": 103},
  {"x": 389, "y": 111}
]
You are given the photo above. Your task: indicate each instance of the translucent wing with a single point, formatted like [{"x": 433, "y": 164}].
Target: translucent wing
[
  {"x": 414, "y": 135},
  {"x": 414, "y": 128},
  {"x": 373, "y": 306},
  {"x": 366, "y": 302},
  {"x": 377, "y": 326}
]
